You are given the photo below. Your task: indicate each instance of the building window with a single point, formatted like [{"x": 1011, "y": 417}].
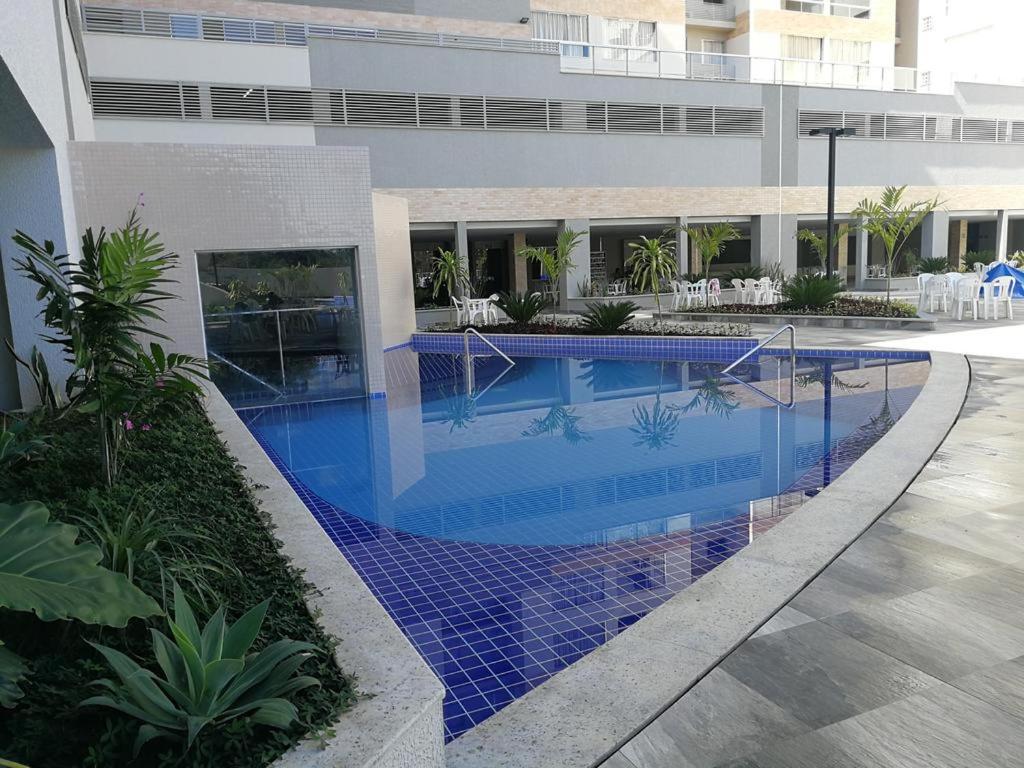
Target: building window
[
  {"x": 712, "y": 52},
  {"x": 563, "y": 28},
  {"x": 854, "y": 9},
  {"x": 804, "y": 48},
  {"x": 804, "y": 6},
  {"x": 849, "y": 51},
  {"x": 627, "y": 34}
]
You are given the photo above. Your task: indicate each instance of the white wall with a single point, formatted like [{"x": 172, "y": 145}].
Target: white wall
[
  {"x": 198, "y": 132},
  {"x": 231, "y": 197},
  {"x": 154, "y": 58}
]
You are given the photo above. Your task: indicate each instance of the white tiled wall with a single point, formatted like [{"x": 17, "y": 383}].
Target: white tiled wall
[{"x": 235, "y": 197}]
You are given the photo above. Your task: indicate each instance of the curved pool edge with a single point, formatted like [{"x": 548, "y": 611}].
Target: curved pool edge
[
  {"x": 580, "y": 716},
  {"x": 397, "y": 721}
]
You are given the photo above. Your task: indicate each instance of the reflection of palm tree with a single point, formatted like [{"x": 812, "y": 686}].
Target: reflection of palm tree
[
  {"x": 559, "y": 418},
  {"x": 605, "y": 375},
  {"x": 460, "y": 411},
  {"x": 887, "y": 417},
  {"x": 657, "y": 427},
  {"x": 817, "y": 376},
  {"x": 713, "y": 398}
]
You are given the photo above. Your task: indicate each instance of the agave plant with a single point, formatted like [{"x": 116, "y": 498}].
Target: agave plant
[
  {"x": 745, "y": 272},
  {"x": 933, "y": 266},
  {"x": 713, "y": 398},
  {"x": 607, "y": 317},
  {"x": 43, "y": 570},
  {"x": 559, "y": 419},
  {"x": 521, "y": 308},
  {"x": 209, "y": 677},
  {"x": 653, "y": 259}
]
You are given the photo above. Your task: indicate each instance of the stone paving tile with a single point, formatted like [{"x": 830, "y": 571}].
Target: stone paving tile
[
  {"x": 718, "y": 720},
  {"x": 844, "y": 586},
  {"x": 996, "y": 594},
  {"x": 967, "y": 488},
  {"x": 912, "y": 510},
  {"x": 786, "y": 618},
  {"x": 820, "y": 675},
  {"x": 934, "y": 729},
  {"x": 1001, "y": 686},
  {"x": 618, "y": 760},
  {"x": 932, "y": 634},
  {"x": 995, "y": 535}
]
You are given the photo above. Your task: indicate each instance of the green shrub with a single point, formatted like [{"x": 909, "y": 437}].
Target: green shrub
[
  {"x": 746, "y": 272},
  {"x": 209, "y": 677},
  {"x": 811, "y": 291},
  {"x": 607, "y": 317},
  {"x": 933, "y": 266},
  {"x": 521, "y": 308}
]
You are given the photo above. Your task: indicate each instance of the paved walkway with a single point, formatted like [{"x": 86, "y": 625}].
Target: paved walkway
[{"x": 908, "y": 651}]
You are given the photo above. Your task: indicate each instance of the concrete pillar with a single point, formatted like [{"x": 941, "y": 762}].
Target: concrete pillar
[
  {"x": 863, "y": 249},
  {"x": 696, "y": 263},
  {"x": 462, "y": 245},
  {"x": 957, "y": 243},
  {"x": 568, "y": 288},
  {"x": 935, "y": 236},
  {"x": 843, "y": 258},
  {"x": 520, "y": 273},
  {"x": 682, "y": 245},
  {"x": 773, "y": 241},
  {"x": 1002, "y": 235}
]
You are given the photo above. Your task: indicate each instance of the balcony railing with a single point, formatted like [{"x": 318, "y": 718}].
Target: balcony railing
[
  {"x": 690, "y": 65},
  {"x": 704, "y": 11}
]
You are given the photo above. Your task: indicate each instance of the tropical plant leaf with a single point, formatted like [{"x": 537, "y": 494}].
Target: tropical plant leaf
[
  {"x": 12, "y": 671},
  {"x": 44, "y": 571},
  {"x": 607, "y": 317},
  {"x": 521, "y": 308}
]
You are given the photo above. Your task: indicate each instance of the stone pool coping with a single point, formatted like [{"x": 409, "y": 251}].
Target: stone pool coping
[
  {"x": 397, "y": 721},
  {"x": 583, "y": 714},
  {"x": 926, "y": 323}
]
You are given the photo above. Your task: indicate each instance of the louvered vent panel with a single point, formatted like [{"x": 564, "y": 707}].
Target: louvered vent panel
[
  {"x": 380, "y": 108},
  {"x": 129, "y": 99},
  {"x": 517, "y": 114},
  {"x": 738, "y": 122}
]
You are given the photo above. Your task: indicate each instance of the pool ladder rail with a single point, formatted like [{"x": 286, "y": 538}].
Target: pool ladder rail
[
  {"x": 792, "y": 367},
  {"x": 468, "y": 360}
]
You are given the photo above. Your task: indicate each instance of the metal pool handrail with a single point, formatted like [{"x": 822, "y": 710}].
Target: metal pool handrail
[
  {"x": 792, "y": 366},
  {"x": 475, "y": 332}
]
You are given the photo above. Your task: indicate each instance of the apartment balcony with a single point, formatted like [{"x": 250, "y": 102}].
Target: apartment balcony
[
  {"x": 702, "y": 13},
  {"x": 854, "y": 9}
]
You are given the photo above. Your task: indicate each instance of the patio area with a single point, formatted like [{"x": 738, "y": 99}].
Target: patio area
[{"x": 908, "y": 649}]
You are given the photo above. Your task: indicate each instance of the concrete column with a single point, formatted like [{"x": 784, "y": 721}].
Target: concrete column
[
  {"x": 935, "y": 236},
  {"x": 1002, "y": 235},
  {"x": 462, "y": 245},
  {"x": 682, "y": 245},
  {"x": 863, "y": 249},
  {"x": 957, "y": 243},
  {"x": 773, "y": 241},
  {"x": 520, "y": 274},
  {"x": 696, "y": 263},
  {"x": 568, "y": 289},
  {"x": 843, "y": 258}
]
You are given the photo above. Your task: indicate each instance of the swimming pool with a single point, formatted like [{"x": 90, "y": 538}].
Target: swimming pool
[{"x": 511, "y": 531}]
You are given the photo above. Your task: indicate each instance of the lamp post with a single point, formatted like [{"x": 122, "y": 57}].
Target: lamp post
[{"x": 832, "y": 133}]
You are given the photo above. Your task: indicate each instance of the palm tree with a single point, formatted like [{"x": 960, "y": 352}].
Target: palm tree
[
  {"x": 653, "y": 260},
  {"x": 710, "y": 241},
  {"x": 819, "y": 244},
  {"x": 555, "y": 262},
  {"x": 892, "y": 221},
  {"x": 450, "y": 273}
]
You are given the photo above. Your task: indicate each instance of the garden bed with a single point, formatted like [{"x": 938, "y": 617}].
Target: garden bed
[
  {"x": 844, "y": 307},
  {"x": 572, "y": 326},
  {"x": 180, "y": 470},
  {"x": 845, "y": 313}
]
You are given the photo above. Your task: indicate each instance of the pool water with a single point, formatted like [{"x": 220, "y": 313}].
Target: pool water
[{"x": 511, "y": 529}]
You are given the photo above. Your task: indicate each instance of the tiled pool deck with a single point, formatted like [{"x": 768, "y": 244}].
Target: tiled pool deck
[{"x": 907, "y": 651}]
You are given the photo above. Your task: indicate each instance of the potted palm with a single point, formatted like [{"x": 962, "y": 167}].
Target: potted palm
[{"x": 451, "y": 274}]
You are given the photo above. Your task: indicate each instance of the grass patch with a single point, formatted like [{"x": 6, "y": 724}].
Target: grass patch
[{"x": 184, "y": 470}]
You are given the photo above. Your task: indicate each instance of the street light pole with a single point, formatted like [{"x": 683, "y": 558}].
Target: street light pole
[{"x": 832, "y": 133}]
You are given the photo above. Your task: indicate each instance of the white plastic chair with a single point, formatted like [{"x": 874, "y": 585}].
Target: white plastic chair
[
  {"x": 714, "y": 292},
  {"x": 936, "y": 291},
  {"x": 750, "y": 291},
  {"x": 764, "y": 291},
  {"x": 922, "y": 280},
  {"x": 979, "y": 269},
  {"x": 737, "y": 286},
  {"x": 492, "y": 308},
  {"x": 677, "y": 295},
  {"x": 1001, "y": 292},
  {"x": 967, "y": 294},
  {"x": 695, "y": 293},
  {"x": 461, "y": 311}
]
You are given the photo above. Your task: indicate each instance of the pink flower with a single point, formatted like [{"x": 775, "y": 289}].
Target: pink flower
[
  {"x": 128, "y": 425},
  {"x": 146, "y": 427}
]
